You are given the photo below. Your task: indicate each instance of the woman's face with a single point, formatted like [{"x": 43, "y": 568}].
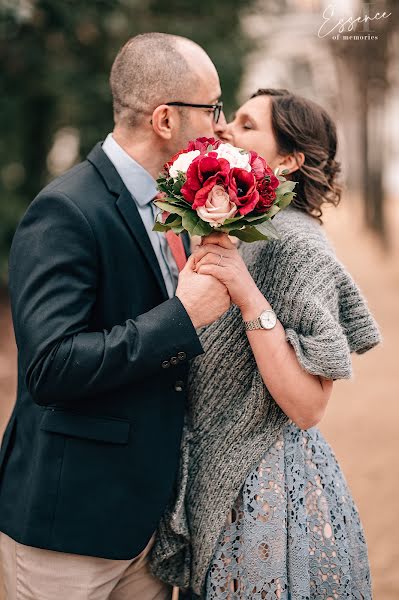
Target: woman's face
[{"x": 252, "y": 130}]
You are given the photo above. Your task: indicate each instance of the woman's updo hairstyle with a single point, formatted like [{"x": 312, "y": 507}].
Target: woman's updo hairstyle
[{"x": 301, "y": 125}]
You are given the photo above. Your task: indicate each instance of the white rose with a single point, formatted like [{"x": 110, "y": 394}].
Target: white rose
[
  {"x": 182, "y": 163},
  {"x": 218, "y": 207},
  {"x": 235, "y": 156}
]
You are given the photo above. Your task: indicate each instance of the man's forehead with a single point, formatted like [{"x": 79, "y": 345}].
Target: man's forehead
[
  {"x": 216, "y": 98},
  {"x": 213, "y": 88}
]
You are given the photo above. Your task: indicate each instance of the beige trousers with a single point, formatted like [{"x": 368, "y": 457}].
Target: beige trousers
[{"x": 37, "y": 574}]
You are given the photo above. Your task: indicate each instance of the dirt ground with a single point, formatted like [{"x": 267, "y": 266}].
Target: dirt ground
[{"x": 361, "y": 420}]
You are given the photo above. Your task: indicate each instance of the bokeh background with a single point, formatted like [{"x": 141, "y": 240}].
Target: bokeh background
[{"x": 55, "y": 57}]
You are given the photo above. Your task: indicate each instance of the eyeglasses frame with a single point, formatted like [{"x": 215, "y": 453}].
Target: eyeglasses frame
[{"x": 217, "y": 108}]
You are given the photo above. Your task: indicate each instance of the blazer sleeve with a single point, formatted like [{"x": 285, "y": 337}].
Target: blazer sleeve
[{"x": 53, "y": 279}]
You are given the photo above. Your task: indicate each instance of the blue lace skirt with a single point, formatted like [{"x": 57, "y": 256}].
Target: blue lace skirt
[{"x": 294, "y": 532}]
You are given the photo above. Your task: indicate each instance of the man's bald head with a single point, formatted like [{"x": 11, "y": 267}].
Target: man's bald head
[{"x": 152, "y": 69}]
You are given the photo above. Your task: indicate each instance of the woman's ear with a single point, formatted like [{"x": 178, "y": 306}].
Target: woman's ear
[
  {"x": 292, "y": 162},
  {"x": 163, "y": 121}
]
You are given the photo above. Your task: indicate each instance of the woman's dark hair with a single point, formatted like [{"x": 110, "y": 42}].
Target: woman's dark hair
[{"x": 301, "y": 125}]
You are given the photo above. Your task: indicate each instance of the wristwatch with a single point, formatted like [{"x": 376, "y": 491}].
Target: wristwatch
[{"x": 267, "y": 320}]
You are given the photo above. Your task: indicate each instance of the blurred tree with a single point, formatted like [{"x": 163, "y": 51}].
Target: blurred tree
[
  {"x": 364, "y": 70},
  {"x": 368, "y": 64},
  {"x": 55, "y": 59}
]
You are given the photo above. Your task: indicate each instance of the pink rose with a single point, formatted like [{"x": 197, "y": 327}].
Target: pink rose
[
  {"x": 218, "y": 207},
  {"x": 258, "y": 165}
]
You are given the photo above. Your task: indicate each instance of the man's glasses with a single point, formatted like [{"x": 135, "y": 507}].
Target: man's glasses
[{"x": 217, "y": 108}]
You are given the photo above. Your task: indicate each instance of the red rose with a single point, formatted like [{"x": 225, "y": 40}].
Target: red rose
[
  {"x": 258, "y": 165},
  {"x": 202, "y": 144},
  {"x": 265, "y": 201},
  {"x": 202, "y": 175},
  {"x": 242, "y": 190},
  {"x": 267, "y": 191}
]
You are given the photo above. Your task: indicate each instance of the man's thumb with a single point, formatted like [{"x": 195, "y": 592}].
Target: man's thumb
[{"x": 190, "y": 264}]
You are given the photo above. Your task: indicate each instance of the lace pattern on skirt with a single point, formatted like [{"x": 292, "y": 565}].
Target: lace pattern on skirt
[{"x": 294, "y": 532}]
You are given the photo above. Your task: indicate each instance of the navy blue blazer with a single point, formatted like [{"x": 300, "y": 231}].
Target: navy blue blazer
[{"x": 90, "y": 454}]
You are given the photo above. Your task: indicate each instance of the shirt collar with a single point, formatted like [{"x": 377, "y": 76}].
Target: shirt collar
[{"x": 138, "y": 181}]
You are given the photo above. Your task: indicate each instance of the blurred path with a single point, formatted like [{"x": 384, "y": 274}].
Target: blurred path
[
  {"x": 8, "y": 356},
  {"x": 361, "y": 422},
  {"x": 362, "y": 417}
]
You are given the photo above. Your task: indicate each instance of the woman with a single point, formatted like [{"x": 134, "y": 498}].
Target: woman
[{"x": 250, "y": 448}]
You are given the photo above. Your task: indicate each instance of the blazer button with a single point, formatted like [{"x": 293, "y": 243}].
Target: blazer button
[
  {"x": 179, "y": 386},
  {"x": 174, "y": 360},
  {"x": 181, "y": 356},
  {"x": 165, "y": 364}
]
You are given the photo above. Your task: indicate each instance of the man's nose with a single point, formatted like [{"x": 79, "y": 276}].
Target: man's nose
[
  {"x": 222, "y": 130},
  {"x": 219, "y": 128}
]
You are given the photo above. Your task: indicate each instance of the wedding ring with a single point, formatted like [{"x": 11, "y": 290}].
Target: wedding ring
[{"x": 220, "y": 260}]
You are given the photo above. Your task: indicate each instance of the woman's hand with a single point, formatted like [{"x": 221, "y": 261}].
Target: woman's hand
[
  {"x": 301, "y": 395},
  {"x": 219, "y": 257}
]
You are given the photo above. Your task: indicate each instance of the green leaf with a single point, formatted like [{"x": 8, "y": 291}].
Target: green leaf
[
  {"x": 179, "y": 201},
  {"x": 173, "y": 221},
  {"x": 160, "y": 227},
  {"x": 172, "y": 208},
  {"x": 178, "y": 229},
  {"x": 194, "y": 225},
  {"x": 162, "y": 187},
  {"x": 178, "y": 184},
  {"x": 229, "y": 227},
  {"x": 268, "y": 229},
  {"x": 273, "y": 210},
  {"x": 248, "y": 234},
  {"x": 285, "y": 200},
  {"x": 286, "y": 186},
  {"x": 233, "y": 220}
]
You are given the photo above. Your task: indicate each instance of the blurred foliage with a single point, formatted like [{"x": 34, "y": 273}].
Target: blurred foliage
[
  {"x": 365, "y": 70},
  {"x": 55, "y": 58}
]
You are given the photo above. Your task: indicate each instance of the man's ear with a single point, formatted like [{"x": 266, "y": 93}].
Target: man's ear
[
  {"x": 163, "y": 120},
  {"x": 292, "y": 162}
]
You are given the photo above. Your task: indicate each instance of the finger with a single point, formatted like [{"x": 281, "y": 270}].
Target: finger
[
  {"x": 212, "y": 259},
  {"x": 218, "y": 250},
  {"x": 215, "y": 271},
  {"x": 190, "y": 264},
  {"x": 221, "y": 239}
]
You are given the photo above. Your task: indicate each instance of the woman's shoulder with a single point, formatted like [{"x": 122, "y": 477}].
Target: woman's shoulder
[
  {"x": 298, "y": 229},
  {"x": 302, "y": 275},
  {"x": 302, "y": 247}
]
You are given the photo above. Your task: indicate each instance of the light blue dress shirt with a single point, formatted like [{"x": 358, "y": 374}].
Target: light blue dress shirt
[{"x": 142, "y": 187}]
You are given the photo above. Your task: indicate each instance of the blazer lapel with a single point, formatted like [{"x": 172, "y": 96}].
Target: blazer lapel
[
  {"x": 128, "y": 210},
  {"x": 131, "y": 216}
]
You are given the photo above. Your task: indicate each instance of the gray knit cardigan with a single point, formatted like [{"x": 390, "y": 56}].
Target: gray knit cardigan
[{"x": 231, "y": 417}]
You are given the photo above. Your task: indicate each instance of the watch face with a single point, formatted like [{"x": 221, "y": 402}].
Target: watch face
[{"x": 268, "y": 319}]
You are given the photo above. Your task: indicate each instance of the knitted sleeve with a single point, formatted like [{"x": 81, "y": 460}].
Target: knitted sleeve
[{"x": 325, "y": 316}]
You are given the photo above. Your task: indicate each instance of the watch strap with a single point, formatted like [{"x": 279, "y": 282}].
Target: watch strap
[{"x": 254, "y": 324}]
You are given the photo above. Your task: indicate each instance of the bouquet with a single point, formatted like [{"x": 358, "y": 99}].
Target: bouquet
[{"x": 213, "y": 186}]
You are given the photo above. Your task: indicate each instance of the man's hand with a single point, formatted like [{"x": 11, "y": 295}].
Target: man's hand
[{"x": 203, "y": 296}]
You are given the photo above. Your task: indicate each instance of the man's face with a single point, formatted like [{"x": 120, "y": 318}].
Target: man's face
[{"x": 200, "y": 122}]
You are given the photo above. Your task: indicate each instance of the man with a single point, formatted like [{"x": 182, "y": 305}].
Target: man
[{"x": 105, "y": 327}]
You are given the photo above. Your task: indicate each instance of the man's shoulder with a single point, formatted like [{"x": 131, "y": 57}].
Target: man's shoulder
[
  {"x": 83, "y": 187},
  {"x": 78, "y": 183}
]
